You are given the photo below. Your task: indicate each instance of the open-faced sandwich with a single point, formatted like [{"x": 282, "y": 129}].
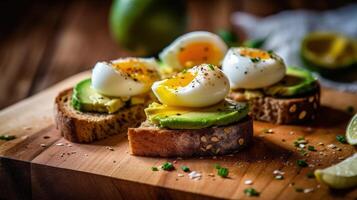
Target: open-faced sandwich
[
  {"x": 276, "y": 93},
  {"x": 193, "y": 117},
  {"x": 112, "y": 100},
  {"x": 192, "y": 49}
]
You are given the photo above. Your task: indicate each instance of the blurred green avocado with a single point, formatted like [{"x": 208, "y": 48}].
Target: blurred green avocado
[
  {"x": 328, "y": 51},
  {"x": 146, "y": 26}
]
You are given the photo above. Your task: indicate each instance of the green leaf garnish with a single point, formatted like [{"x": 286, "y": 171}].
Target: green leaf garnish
[
  {"x": 167, "y": 166},
  {"x": 302, "y": 163},
  {"x": 223, "y": 172},
  {"x": 185, "y": 168},
  {"x": 7, "y": 137},
  {"x": 341, "y": 139},
  {"x": 251, "y": 192},
  {"x": 311, "y": 148}
]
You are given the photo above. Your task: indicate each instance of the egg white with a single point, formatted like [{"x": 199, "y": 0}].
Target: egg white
[
  {"x": 243, "y": 72},
  {"x": 169, "y": 56},
  {"x": 208, "y": 87},
  {"x": 110, "y": 81}
]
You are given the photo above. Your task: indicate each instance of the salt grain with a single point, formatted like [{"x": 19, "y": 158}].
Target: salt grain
[
  {"x": 248, "y": 182},
  {"x": 308, "y": 190},
  {"x": 332, "y": 146},
  {"x": 195, "y": 175}
]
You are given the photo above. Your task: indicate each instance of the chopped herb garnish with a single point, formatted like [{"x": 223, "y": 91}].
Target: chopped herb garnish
[
  {"x": 185, "y": 168},
  {"x": 341, "y": 138},
  {"x": 302, "y": 163},
  {"x": 154, "y": 169},
  {"x": 7, "y": 137},
  {"x": 223, "y": 172},
  {"x": 311, "y": 148},
  {"x": 251, "y": 192},
  {"x": 310, "y": 175},
  {"x": 217, "y": 166},
  {"x": 211, "y": 66},
  {"x": 184, "y": 71},
  {"x": 167, "y": 166},
  {"x": 254, "y": 60},
  {"x": 299, "y": 189}
]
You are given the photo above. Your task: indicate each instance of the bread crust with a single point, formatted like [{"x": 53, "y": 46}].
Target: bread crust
[
  {"x": 149, "y": 140},
  {"x": 86, "y": 127},
  {"x": 283, "y": 110}
]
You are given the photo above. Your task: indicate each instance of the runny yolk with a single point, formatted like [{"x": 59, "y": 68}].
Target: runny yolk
[
  {"x": 166, "y": 90},
  {"x": 252, "y": 53},
  {"x": 199, "y": 52},
  {"x": 136, "y": 70}
]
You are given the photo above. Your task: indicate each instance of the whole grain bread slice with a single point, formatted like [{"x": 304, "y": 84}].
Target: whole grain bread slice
[
  {"x": 283, "y": 110},
  {"x": 85, "y": 127},
  {"x": 150, "y": 140}
]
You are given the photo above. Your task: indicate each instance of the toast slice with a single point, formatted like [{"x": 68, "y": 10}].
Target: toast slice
[
  {"x": 283, "y": 110},
  {"x": 85, "y": 127},
  {"x": 150, "y": 140}
]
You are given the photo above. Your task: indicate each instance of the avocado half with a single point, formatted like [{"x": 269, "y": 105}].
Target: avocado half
[
  {"x": 326, "y": 52},
  {"x": 297, "y": 82}
]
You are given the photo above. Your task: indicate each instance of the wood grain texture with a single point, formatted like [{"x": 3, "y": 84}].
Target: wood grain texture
[{"x": 54, "y": 170}]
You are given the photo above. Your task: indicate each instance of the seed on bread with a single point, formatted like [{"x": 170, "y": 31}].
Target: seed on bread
[
  {"x": 214, "y": 139},
  {"x": 203, "y": 139}
]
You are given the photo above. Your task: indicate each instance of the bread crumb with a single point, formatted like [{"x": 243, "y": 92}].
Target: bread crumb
[{"x": 109, "y": 148}]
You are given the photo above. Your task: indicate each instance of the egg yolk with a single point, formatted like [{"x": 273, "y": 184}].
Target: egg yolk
[
  {"x": 199, "y": 52},
  {"x": 255, "y": 53},
  {"x": 137, "y": 70},
  {"x": 166, "y": 90}
]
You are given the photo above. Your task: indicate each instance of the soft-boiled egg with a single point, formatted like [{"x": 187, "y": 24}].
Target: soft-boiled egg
[
  {"x": 192, "y": 49},
  {"x": 200, "y": 86},
  {"x": 124, "y": 77},
  {"x": 249, "y": 68}
]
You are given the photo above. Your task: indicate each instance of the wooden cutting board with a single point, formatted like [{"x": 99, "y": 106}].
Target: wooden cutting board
[{"x": 40, "y": 164}]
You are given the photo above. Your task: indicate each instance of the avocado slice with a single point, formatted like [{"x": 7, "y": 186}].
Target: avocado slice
[
  {"x": 296, "y": 82},
  {"x": 85, "y": 98},
  {"x": 224, "y": 113},
  {"x": 328, "y": 51}
]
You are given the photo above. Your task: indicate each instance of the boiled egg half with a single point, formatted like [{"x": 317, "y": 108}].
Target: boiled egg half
[
  {"x": 192, "y": 49},
  {"x": 200, "y": 86},
  {"x": 124, "y": 77},
  {"x": 250, "y": 68}
]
